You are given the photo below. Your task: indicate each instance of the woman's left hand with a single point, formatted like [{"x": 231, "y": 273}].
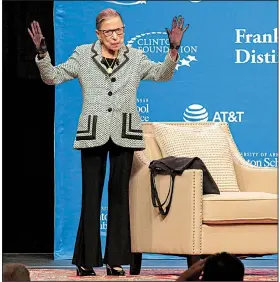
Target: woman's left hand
[{"x": 176, "y": 33}]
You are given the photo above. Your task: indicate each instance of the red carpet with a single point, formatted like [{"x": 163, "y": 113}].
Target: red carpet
[{"x": 146, "y": 275}]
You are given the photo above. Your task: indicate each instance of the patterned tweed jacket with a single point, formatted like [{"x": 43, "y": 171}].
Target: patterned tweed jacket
[{"x": 109, "y": 101}]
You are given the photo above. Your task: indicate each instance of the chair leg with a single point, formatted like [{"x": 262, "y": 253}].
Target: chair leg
[
  {"x": 135, "y": 263},
  {"x": 191, "y": 259}
]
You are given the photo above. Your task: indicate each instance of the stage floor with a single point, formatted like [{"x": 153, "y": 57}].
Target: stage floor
[{"x": 46, "y": 261}]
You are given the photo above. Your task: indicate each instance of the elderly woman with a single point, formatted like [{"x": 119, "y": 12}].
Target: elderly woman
[{"x": 109, "y": 73}]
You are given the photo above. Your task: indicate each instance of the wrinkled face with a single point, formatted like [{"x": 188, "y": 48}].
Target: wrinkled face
[{"x": 111, "y": 33}]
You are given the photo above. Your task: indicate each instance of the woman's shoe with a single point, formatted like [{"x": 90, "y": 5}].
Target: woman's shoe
[
  {"x": 81, "y": 271},
  {"x": 115, "y": 270}
]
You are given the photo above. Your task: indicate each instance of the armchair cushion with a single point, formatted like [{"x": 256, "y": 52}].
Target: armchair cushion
[
  {"x": 239, "y": 208},
  {"x": 209, "y": 143}
]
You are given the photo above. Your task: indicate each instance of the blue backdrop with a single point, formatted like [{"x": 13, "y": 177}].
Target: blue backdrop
[{"x": 227, "y": 71}]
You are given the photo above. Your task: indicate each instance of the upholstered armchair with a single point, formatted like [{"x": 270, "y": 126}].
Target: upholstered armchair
[{"x": 242, "y": 219}]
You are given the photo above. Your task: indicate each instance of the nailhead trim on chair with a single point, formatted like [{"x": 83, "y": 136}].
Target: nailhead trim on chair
[
  {"x": 201, "y": 215},
  {"x": 193, "y": 217}
]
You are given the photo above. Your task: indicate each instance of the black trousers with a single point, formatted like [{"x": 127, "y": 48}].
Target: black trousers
[{"x": 87, "y": 252}]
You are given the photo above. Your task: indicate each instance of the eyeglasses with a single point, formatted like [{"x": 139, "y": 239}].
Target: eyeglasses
[{"x": 109, "y": 32}]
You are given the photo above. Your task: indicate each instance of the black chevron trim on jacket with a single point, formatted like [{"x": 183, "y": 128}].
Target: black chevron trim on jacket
[
  {"x": 91, "y": 129},
  {"x": 127, "y": 133}
]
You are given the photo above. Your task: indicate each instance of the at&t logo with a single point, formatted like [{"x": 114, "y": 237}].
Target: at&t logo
[
  {"x": 157, "y": 42},
  {"x": 197, "y": 113},
  {"x": 127, "y": 3}
]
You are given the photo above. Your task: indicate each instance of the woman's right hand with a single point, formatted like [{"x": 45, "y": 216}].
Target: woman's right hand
[{"x": 37, "y": 37}]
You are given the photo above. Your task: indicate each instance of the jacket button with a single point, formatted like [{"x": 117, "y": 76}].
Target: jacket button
[
  {"x": 110, "y": 110},
  {"x": 110, "y": 93},
  {"x": 113, "y": 79}
]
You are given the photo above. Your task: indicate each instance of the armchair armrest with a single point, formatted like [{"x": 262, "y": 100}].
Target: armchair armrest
[
  {"x": 153, "y": 233},
  {"x": 252, "y": 178}
]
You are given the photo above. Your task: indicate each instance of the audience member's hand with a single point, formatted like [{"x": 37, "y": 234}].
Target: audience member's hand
[{"x": 193, "y": 273}]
